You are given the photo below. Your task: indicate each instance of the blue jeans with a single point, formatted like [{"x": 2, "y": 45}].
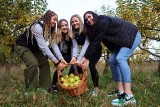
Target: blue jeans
[{"x": 118, "y": 61}]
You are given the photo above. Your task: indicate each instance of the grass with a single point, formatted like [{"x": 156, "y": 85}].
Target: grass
[{"x": 145, "y": 86}]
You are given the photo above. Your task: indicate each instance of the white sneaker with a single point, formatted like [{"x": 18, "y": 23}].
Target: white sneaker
[
  {"x": 123, "y": 100},
  {"x": 95, "y": 92}
]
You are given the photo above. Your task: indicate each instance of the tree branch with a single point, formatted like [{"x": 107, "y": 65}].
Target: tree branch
[{"x": 149, "y": 52}]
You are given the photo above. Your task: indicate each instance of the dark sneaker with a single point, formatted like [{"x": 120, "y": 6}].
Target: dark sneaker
[
  {"x": 115, "y": 93},
  {"x": 53, "y": 89},
  {"x": 123, "y": 100}
]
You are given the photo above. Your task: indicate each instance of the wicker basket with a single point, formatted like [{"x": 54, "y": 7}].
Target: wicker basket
[{"x": 75, "y": 90}]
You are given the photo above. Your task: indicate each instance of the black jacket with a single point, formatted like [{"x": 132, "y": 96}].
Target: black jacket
[
  {"x": 80, "y": 38},
  {"x": 118, "y": 33},
  {"x": 22, "y": 40}
]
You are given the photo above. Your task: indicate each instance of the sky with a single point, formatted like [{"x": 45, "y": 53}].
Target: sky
[{"x": 66, "y": 8}]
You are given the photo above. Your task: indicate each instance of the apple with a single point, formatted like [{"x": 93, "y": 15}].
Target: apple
[
  {"x": 62, "y": 79},
  {"x": 75, "y": 83},
  {"x": 76, "y": 78},
  {"x": 71, "y": 85},
  {"x": 71, "y": 80},
  {"x": 71, "y": 75},
  {"x": 65, "y": 84},
  {"x": 66, "y": 76}
]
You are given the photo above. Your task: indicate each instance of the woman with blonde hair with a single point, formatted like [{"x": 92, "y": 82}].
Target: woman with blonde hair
[
  {"x": 33, "y": 46},
  {"x": 82, "y": 40},
  {"x": 64, "y": 49}
]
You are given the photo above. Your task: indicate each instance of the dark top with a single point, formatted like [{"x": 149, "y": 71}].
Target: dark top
[
  {"x": 65, "y": 46},
  {"x": 22, "y": 40},
  {"x": 80, "y": 38},
  {"x": 115, "y": 31}
]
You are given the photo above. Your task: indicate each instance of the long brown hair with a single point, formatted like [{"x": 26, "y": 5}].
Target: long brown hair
[{"x": 48, "y": 31}]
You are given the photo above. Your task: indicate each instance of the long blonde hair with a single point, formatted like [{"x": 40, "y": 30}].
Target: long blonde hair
[
  {"x": 59, "y": 31},
  {"x": 49, "y": 33},
  {"x": 72, "y": 31}
]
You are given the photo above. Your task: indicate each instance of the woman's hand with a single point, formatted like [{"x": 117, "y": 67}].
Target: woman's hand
[
  {"x": 61, "y": 66},
  {"x": 78, "y": 63},
  {"x": 73, "y": 60},
  {"x": 63, "y": 61},
  {"x": 84, "y": 63}
]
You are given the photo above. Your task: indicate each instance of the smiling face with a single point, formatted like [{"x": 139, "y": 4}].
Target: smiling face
[
  {"x": 75, "y": 22},
  {"x": 89, "y": 19},
  {"x": 64, "y": 27},
  {"x": 54, "y": 20}
]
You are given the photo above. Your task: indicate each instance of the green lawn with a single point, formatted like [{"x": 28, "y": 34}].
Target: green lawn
[{"x": 145, "y": 86}]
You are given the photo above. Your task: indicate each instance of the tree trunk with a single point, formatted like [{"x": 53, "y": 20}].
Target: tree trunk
[
  {"x": 159, "y": 68},
  {"x": 106, "y": 67},
  {"x": 9, "y": 62},
  {"x": 106, "y": 63}
]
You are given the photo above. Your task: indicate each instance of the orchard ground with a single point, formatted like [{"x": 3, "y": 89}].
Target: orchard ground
[{"x": 145, "y": 86}]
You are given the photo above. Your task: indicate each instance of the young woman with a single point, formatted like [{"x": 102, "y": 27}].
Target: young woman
[
  {"x": 32, "y": 48},
  {"x": 82, "y": 40},
  {"x": 121, "y": 38},
  {"x": 63, "y": 49}
]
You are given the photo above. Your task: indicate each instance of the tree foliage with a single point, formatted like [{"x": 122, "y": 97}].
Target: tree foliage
[
  {"x": 15, "y": 16},
  {"x": 145, "y": 14}
]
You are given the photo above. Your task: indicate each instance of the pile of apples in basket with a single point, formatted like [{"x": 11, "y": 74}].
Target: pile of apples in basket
[{"x": 70, "y": 80}]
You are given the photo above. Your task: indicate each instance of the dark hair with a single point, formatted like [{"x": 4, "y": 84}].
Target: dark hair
[{"x": 89, "y": 30}]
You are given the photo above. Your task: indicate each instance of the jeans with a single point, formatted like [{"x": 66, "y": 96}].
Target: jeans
[{"x": 118, "y": 61}]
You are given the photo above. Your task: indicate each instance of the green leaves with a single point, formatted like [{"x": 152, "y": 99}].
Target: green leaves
[{"x": 15, "y": 16}]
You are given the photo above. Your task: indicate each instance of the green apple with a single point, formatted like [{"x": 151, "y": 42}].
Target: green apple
[
  {"x": 76, "y": 78},
  {"x": 70, "y": 85},
  {"x": 62, "y": 79}
]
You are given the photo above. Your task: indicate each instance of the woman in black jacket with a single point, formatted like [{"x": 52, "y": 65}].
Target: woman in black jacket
[{"x": 121, "y": 38}]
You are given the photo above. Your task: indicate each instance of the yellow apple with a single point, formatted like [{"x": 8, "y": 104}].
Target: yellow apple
[
  {"x": 66, "y": 76},
  {"x": 75, "y": 83},
  {"x": 71, "y": 75},
  {"x": 65, "y": 84},
  {"x": 71, "y": 80},
  {"x": 62, "y": 79}
]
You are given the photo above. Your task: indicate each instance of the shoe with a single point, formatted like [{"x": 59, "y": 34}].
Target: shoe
[
  {"x": 115, "y": 93},
  {"x": 123, "y": 100},
  {"x": 53, "y": 89},
  {"x": 95, "y": 92}
]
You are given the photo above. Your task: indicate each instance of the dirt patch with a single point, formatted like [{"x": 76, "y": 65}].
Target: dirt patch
[{"x": 12, "y": 70}]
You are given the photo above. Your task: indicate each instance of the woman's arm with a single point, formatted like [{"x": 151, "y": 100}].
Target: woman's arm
[
  {"x": 56, "y": 51},
  {"x": 98, "y": 36},
  {"x": 84, "y": 48},
  {"x": 38, "y": 34},
  {"x": 74, "y": 48}
]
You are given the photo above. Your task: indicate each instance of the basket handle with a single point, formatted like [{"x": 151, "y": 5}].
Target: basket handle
[
  {"x": 59, "y": 70},
  {"x": 84, "y": 76}
]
